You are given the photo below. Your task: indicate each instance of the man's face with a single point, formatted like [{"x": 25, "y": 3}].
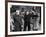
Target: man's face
[
  {"x": 17, "y": 12},
  {"x": 27, "y": 13}
]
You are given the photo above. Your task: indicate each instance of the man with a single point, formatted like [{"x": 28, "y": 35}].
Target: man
[
  {"x": 27, "y": 17},
  {"x": 35, "y": 20},
  {"x": 17, "y": 21}
]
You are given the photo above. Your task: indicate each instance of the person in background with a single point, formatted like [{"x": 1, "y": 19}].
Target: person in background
[
  {"x": 35, "y": 20},
  {"x": 12, "y": 21}
]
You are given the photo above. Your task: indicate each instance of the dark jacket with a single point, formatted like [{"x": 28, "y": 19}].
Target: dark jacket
[{"x": 17, "y": 23}]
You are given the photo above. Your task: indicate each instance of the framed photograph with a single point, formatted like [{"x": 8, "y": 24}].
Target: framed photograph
[{"x": 25, "y": 18}]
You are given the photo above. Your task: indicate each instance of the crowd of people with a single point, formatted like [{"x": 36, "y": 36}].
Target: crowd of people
[{"x": 25, "y": 20}]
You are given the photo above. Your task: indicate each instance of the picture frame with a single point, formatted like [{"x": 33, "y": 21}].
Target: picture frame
[{"x": 21, "y": 3}]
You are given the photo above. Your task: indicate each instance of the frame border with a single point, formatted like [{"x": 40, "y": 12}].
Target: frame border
[{"x": 6, "y": 18}]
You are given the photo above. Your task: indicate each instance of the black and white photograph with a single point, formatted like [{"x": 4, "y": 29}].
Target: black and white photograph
[{"x": 25, "y": 18}]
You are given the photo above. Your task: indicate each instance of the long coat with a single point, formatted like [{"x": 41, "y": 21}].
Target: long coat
[{"x": 17, "y": 23}]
